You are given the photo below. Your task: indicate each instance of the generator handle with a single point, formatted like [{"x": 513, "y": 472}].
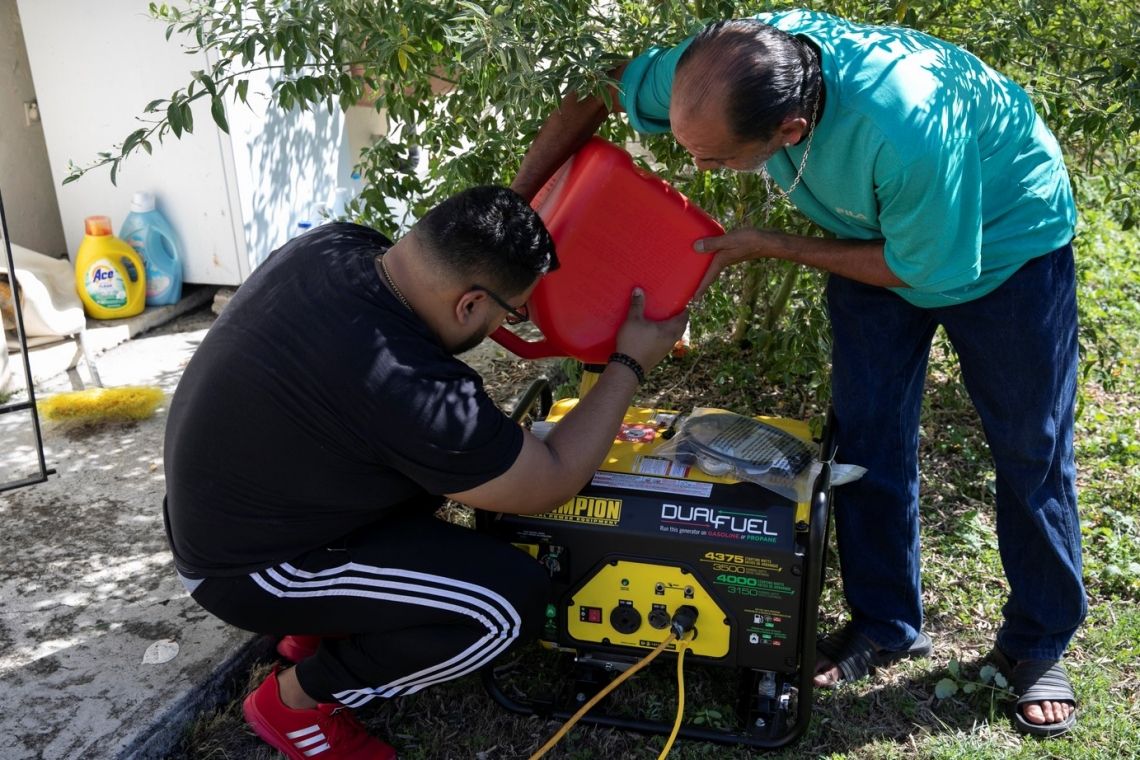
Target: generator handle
[
  {"x": 819, "y": 521},
  {"x": 540, "y": 391}
]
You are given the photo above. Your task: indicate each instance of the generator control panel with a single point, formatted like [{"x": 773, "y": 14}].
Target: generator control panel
[{"x": 630, "y": 604}]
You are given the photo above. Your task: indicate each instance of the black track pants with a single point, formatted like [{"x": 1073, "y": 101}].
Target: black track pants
[{"x": 414, "y": 601}]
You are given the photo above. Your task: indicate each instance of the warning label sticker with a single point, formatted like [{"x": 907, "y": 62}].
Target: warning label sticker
[{"x": 650, "y": 483}]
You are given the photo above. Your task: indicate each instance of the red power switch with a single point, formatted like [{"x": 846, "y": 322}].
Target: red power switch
[{"x": 590, "y": 614}]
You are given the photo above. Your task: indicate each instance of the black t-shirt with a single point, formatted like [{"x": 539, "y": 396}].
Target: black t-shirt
[{"x": 316, "y": 403}]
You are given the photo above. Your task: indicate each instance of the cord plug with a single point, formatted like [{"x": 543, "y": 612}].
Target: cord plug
[{"x": 683, "y": 620}]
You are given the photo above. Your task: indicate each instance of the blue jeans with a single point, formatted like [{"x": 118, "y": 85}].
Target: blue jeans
[{"x": 1017, "y": 347}]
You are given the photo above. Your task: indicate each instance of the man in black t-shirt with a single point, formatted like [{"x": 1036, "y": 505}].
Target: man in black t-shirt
[{"x": 321, "y": 423}]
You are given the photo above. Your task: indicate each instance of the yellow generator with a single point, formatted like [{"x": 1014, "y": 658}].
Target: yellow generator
[{"x": 652, "y": 535}]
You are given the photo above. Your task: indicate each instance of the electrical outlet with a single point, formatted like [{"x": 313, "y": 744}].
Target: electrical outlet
[{"x": 31, "y": 112}]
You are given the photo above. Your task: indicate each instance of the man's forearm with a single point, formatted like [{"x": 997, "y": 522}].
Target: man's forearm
[
  {"x": 565, "y": 131},
  {"x": 858, "y": 260},
  {"x": 583, "y": 437}
]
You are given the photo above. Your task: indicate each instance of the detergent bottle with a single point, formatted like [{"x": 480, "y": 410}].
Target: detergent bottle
[
  {"x": 146, "y": 230},
  {"x": 109, "y": 274}
]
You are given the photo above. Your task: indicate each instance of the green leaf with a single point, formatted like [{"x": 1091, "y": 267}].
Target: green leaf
[
  {"x": 954, "y": 667},
  {"x": 285, "y": 95},
  {"x": 1000, "y": 680},
  {"x": 946, "y": 688},
  {"x": 402, "y": 59},
  {"x": 987, "y": 673},
  {"x": 174, "y": 118},
  {"x": 208, "y": 83},
  {"x": 133, "y": 140},
  {"x": 218, "y": 111}
]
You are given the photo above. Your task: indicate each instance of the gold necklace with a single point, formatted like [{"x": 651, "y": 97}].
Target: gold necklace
[
  {"x": 773, "y": 190},
  {"x": 392, "y": 285}
]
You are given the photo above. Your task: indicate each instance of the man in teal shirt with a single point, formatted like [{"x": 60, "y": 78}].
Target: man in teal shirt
[{"x": 950, "y": 205}]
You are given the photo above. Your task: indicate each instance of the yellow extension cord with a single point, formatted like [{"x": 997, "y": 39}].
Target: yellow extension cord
[{"x": 682, "y": 647}]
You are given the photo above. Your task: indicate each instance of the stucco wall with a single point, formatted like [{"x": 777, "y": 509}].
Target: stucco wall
[{"x": 25, "y": 175}]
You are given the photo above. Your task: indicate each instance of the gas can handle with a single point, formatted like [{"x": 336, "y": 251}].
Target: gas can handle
[{"x": 132, "y": 271}]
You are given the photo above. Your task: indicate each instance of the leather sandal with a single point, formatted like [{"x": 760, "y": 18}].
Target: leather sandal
[
  {"x": 857, "y": 656},
  {"x": 1037, "y": 681}
]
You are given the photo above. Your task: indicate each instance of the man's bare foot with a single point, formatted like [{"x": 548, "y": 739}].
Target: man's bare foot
[
  {"x": 1046, "y": 704},
  {"x": 1043, "y": 713},
  {"x": 847, "y": 655}
]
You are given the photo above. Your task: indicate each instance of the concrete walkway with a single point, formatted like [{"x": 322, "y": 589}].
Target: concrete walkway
[{"x": 87, "y": 587}]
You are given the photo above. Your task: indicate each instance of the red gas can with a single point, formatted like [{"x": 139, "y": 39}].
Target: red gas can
[{"x": 615, "y": 226}]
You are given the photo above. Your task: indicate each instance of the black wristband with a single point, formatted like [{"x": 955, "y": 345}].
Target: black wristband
[{"x": 630, "y": 362}]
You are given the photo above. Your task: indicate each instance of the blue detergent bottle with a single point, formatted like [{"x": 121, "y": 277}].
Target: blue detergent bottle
[{"x": 148, "y": 232}]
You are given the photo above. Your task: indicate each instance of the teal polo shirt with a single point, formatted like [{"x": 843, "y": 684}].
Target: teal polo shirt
[{"x": 920, "y": 145}]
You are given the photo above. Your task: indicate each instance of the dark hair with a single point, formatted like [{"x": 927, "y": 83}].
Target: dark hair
[
  {"x": 489, "y": 236},
  {"x": 765, "y": 74}
]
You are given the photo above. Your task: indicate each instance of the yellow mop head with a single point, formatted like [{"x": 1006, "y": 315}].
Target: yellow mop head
[{"x": 130, "y": 402}]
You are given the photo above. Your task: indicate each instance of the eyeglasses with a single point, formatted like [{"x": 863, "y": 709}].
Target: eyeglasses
[{"x": 514, "y": 316}]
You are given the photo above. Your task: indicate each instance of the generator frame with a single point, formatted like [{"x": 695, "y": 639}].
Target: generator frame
[{"x": 765, "y": 720}]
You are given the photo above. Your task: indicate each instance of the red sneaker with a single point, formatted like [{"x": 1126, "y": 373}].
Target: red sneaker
[
  {"x": 297, "y": 648},
  {"x": 329, "y": 732}
]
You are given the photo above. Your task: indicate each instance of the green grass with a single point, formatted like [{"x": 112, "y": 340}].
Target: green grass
[{"x": 898, "y": 713}]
